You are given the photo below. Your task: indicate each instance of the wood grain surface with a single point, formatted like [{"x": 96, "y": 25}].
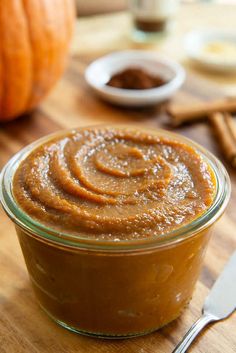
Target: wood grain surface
[{"x": 23, "y": 326}]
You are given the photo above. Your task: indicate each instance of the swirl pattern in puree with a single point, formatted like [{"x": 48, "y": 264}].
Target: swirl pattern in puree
[{"x": 114, "y": 183}]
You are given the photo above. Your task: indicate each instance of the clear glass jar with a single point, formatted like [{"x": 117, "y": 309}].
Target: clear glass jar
[
  {"x": 152, "y": 18},
  {"x": 110, "y": 289}
]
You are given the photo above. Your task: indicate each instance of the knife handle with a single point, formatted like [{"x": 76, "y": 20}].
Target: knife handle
[{"x": 193, "y": 332}]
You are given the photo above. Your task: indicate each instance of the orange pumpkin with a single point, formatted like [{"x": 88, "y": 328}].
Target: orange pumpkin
[{"x": 34, "y": 40}]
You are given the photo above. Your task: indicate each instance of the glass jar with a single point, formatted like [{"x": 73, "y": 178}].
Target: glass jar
[
  {"x": 111, "y": 289},
  {"x": 152, "y": 18}
]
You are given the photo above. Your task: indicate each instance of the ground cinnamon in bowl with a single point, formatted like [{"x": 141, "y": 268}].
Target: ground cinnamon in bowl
[{"x": 135, "y": 78}]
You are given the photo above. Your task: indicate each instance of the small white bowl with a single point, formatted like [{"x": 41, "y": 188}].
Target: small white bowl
[
  {"x": 99, "y": 72},
  {"x": 195, "y": 42}
]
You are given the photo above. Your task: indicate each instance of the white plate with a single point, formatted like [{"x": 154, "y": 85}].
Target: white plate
[
  {"x": 195, "y": 41},
  {"x": 99, "y": 72}
]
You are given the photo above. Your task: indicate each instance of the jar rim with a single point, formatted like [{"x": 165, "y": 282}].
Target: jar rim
[{"x": 35, "y": 228}]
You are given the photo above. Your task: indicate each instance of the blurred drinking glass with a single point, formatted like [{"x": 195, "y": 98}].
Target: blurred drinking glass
[{"x": 152, "y": 18}]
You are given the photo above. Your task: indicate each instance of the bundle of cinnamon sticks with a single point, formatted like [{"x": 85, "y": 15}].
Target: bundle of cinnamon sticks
[{"x": 218, "y": 112}]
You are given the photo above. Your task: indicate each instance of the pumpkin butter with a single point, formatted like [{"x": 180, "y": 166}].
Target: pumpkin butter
[
  {"x": 114, "y": 184},
  {"x": 113, "y": 225}
]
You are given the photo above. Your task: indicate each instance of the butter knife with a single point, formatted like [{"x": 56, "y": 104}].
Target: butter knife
[{"x": 219, "y": 304}]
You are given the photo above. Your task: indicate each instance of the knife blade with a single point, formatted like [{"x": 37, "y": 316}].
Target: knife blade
[
  {"x": 219, "y": 304},
  {"x": 221, "y": 301}
]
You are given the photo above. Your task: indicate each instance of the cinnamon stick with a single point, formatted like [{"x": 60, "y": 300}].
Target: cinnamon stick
[
  {"x": 186, "y": 113},
  {"x": 225, "y": 130}
]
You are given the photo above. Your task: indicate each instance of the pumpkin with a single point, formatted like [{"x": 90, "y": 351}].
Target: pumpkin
[{"x": 34, "y": 41}]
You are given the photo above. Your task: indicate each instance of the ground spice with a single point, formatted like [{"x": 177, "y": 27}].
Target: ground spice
[
  {"x": 150, "y": 25},
  {"x": 135, "y": 78}
]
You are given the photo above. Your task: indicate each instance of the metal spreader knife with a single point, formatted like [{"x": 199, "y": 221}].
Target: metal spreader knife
[{"x": 219, "y": 304}]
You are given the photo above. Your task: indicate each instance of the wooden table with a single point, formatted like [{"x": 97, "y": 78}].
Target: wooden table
[{"x": 24, "y": 328}]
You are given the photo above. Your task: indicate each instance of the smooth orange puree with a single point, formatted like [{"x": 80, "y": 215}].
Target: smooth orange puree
[{"x": 114, "y": 183}]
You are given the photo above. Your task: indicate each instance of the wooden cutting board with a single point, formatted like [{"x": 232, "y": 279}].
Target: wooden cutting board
[{"x": 24, "y": 328}]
